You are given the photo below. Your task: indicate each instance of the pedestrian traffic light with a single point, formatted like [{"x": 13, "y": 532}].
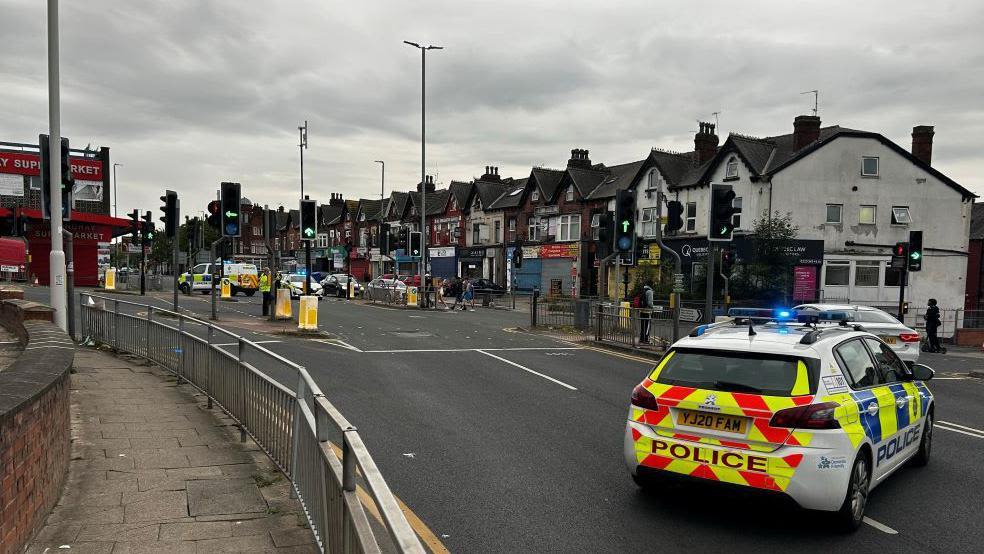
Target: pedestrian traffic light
[
  {"x": 605, "y": 235},
  {"x": 309, "y": 220},
  {"x": 170, "y": 217},
  {"x": 231, "y": 199},
  {"x": 900, "y": 255},
  {"x": 384, "y": 239},
  {"x": 134, "y": 226},
  {"x": 214, "y": 219},
  {"x": 721, "y": 220},
  {"x": 415, "y": 244},
  {"x": 401, "y": 239},
  {"x": 191, "y": 225},
  {"x": 727, "y": 261},
  {"x": 915, "y": 256},
  {"x": 674, "y": 216},
  {"x": 624, "y": 220},
  {"x": 270, "y": 228},
  {"x": 148, "y": 227},
  {"x": 63, "y": 176}
]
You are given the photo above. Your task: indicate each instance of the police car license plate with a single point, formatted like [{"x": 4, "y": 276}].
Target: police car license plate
[
  {"x": 889, "y": 340},
  {"x": 717, "y": 422}
]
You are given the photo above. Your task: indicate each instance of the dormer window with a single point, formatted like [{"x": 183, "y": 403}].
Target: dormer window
[
  {"x": 362, "y": 217},
  {"x": 535, "y": 196},
  {"x": 731, "y": 170},
  {"x": 569, "y": 195}
]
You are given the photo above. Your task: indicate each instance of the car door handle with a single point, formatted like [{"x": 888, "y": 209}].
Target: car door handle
[
  {"x": 872, "y": 408},
  {"x": 901, "y": 402}
]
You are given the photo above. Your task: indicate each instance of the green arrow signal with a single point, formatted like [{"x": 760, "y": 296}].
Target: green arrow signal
[
  {"x": 724, "y": 231},
  {"x": 309, "y": 232},
  {"x": 231, "y": 214},
  {"x": 915, "y": 255},
  {"x": 625, "y": 226}
]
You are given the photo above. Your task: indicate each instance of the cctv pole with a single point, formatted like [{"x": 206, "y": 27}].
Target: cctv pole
[{"x": 56, "y": 258}]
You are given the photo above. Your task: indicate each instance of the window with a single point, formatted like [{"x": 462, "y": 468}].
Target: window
[
  {"x": 498, "y": 231},
  {"x": 837, "y": 274},
  {"x": 569, "y": 195},
  {"x": 362, "y": 217},
  {"x": 256, "y": 231},
  {"x": 750, "y": 372},
  {"x": 595, "y": 225},
  {"x": 535, "y": 196},
  {"x": 649, "y": 222},
  {"x": 890, "y": 367},
  {"x": 869, "y": 166},
  {"x": 569, "y": 227},
  {"x": 866, "y": 273},
  {"x": 867, "y": 215},
  {"x": 691, "y": 217},
  {"x": 322, "y": 240},
  {"x": 534, "y": 229},
  {"x": 900, "y": 215},
  {"x": 476, "y": 233},
  {"x": 857, "y": 364},
  {"x": 512, "y": 224},
  {"x": 835, "y": 213},
  {"x": 731, "y": 171},
  {"x": 736, "y": 219},
  {"x": 893, "y": 276}
]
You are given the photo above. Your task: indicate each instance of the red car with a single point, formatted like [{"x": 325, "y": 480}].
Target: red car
[{"x": 409, "y": 280}]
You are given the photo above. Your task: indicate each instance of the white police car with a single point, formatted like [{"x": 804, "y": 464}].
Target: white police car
[{"x": 822, "y": 414}]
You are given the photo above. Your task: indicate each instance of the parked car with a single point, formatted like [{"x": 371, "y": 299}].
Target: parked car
[
  {"x": 902, "y": 339},
  {"x": 337, "y": 284},
  {"x": 483, "y": 286},
  {"x": 382, "y": 288},
  {"x": 295, "y": 283}
]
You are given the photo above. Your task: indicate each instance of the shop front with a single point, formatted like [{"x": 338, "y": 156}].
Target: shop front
[
  {"x": 471, "y": 262},
  {"x": 359, "y": 264},
  {"x": 443, "y": 261},
  {"x": 558, "y": 268}
]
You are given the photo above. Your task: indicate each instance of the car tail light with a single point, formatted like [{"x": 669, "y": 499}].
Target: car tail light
[
  {"x": 642, "y": 398},
  {"x": 810, "y": 416},
  {"x": 909, "y": 337}
]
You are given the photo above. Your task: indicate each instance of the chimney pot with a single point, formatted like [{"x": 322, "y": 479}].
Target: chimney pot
[
  {"x": 806, "y": 131},
  {"x": 705, "y": 143},
  {"x": 922, "y": 143}
]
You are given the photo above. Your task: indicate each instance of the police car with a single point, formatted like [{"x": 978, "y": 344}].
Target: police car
[{"x": 819, "y": 413}]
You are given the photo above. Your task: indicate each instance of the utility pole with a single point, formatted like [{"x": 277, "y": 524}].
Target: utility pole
[
  {"x": 422, "y": 269},
  {"x": 56, "y": 259},
  {"x": 302, "y": 146},
  {"x": 303, "y": 131},
  {"x": 382, "y": 181}
]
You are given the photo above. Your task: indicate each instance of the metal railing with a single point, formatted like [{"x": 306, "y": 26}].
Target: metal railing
[
  {"x": 295, "y": 428},
  {"x": 623, "y": 325}
]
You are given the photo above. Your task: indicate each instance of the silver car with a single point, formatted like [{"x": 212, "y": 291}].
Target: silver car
[
  {"x": 385, "y": 289},
  {"x": 902, "y": 339}
]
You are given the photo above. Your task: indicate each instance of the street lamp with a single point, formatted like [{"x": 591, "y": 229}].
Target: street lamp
[
  {"x": 423, "y": 170},
  {"x": 115, "y": 189},
  {"x": 382, "y": 180}
]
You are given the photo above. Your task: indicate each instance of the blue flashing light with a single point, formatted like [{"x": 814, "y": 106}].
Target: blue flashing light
[
  {"x": 701, "y": 329},
  {"x": 761, "y": 313},
  {"x": 783, "y": 314}
]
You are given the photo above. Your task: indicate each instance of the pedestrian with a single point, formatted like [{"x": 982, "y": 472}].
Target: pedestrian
[
  {"x": 441, "y": 288},
  {"x": 646, "y": 306},
  {"x": 933, "y": 323},
  {"x": 456, "y": 290},
  {"x": 469, "y": 295},
  {"x": 265, "y": 290}
]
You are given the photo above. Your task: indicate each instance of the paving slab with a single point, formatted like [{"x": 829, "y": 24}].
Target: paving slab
[{"x": 154, "y": 470}]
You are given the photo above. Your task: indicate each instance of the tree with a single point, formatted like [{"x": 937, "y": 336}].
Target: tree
[{"x": 767, "y": 276}]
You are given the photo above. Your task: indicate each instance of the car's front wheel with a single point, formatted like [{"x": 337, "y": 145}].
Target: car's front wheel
[
  {"x": 925, "y": 443},
  {"x": 851, "y": 513}
]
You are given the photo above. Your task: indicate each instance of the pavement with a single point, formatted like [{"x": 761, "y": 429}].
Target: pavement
[
  {"x": 153, "y": 470},
  {"x": 505, "y": 441}
]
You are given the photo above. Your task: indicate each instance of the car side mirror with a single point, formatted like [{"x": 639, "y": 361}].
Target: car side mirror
[{"x": 922, "y": 372}]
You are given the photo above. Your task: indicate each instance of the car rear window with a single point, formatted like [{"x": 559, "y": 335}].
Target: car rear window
[
  {"x": 746, "y": 372},
  {"x": 871, "y": 316}
]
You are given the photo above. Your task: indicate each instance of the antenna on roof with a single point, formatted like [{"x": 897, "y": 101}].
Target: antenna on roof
[
  {"x": 751, "y": 329},
  {"x": 717, "y": 124},
  {"x": 816, "y": 99}
]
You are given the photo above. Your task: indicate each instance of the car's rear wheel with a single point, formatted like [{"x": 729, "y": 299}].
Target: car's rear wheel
[
  {"x": 925, "y": 443},
  {"x": 851, "y": 513}
]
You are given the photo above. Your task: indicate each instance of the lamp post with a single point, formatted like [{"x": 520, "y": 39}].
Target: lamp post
[
  {"x": 423, "y": 171},
  {"x": 56, "y": 259},
  {"x": 382, "y": 180},
  {"x": 116, "y": 195},
  {"x": 303, "y": 132}
]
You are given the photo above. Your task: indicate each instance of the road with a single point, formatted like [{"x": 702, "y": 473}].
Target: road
[{"x": 502, "y": 441}]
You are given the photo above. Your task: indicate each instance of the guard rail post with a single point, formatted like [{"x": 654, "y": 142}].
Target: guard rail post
[
  {"x": 241, "y": 377},
  {"x": 598, "y": 318},
  {"x": 150, "y": 321},
  {"x": 208, "y": 366},
  {"x": 116, "y": 324},
  {"x": 295, "y": 435},
  {"x": 634, "y": 327},
  {"x": 182, "y": 367},
  {"x": 348, "y": 461}
]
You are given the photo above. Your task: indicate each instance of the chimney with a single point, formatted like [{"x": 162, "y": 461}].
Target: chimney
[
  {"x": 428, "y": 184},
  {"x": 705, "y": 143},
  {"x": 491, "y": 174},
  {"x": 336, "y": 199},
  {"x": 579, "y": 158},
  {"x": 922, "y": 143},
  {"x": 806, "y": 131}
]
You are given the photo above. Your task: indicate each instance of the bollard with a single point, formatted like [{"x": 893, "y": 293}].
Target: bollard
[
  {"x": 226, "y": 288},
  {"x": 307, "y": 313},
  {"x": 109, "y": 282},
  {"x": 283, "y": 310}
]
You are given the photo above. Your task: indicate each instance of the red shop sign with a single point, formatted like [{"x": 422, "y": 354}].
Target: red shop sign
[{"x": 23, "y": 163}]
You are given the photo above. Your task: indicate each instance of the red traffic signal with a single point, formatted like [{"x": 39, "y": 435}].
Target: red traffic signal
[{"x": 900, "y": 249}]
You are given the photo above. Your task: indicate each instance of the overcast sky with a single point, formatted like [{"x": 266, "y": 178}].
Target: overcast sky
[{"x": 190, "y": 93}]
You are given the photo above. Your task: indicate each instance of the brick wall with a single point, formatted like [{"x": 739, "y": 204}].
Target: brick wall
[{"x": 35, "y": 427}]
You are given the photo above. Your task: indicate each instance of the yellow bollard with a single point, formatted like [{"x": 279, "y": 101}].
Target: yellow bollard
[
  {"x": 283, "y": 304},
  {"x": 226, "y": 288},
  {"x": 411, "y": 296},
  {"x": 110, "y": 283},
  {"x": 307, "y": 313}
]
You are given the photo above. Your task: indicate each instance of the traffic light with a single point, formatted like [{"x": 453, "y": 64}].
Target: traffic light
[
  {"x": 192, "y": 230},
  {"x": 230, "y": 209},
  {"x": 727, "y": 260},
  {"x": 721, "y": 221},
  {"x": 64, "y": 176},
  {"x": 900, "y": 255},
  {"x": 148, "y": 228},
  {"x": 624, "y": 220},
  {"x": 309, "y": 219},
  {"x": 134, "y": 226},
  {"x": 674, "y": 216},
  {"x": 270, "y": 224},
  {"x": 517, "y": 253},
  {"x": 214, "y": 219},
  {"x": 605, "y": 235},
  {"x": 915, "y": 256},
  {"x": 401, "y": 239},
  {"x": 170, "y": 209},
  {"x": 415, "y": 244},
  {"x": 384, "y": 239}
]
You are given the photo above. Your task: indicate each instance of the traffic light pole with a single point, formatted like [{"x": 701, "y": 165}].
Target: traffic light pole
[
  {"x": 902, "y": 282},
  {"x": 709, "y": 293},
  {"x": 215, "y": 306},
  {"x": 674, "y": 295},
  {"x": 143, "y": 264},
  {"x": 176, "y": 249},
  {"x": 56, "y": 259}
]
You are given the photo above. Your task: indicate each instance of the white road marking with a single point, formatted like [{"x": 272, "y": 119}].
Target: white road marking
[
  {"x": 952, "y": 430},
  {"x": 880, "y": 526},
  {"x": 518, "y": 348},
  {"x": 252, "y": 341},
  {"x": 949, "y": 378},
  {"x": 524, "y": 368},
  {"x": 951, "y": 424}
]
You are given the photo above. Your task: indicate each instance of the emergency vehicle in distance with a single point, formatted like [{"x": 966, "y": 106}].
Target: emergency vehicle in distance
[
  {"x": 243, "y": 278},
  {"x": 820, "y": 413}
]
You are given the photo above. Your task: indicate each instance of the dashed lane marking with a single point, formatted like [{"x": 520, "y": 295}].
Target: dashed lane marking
[
  {"x": 514, "y": 349},
  {"x": 524, "y": 368},
  {"x": 880, "y": 526}
]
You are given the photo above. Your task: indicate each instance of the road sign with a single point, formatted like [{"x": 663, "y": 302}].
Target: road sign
[
  {"x": 690, "y": 314},
  {"x": 678, "y": 282}
]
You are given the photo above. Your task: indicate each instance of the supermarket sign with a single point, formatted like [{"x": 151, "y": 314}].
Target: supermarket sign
[{"x": 26, "y": 163}]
